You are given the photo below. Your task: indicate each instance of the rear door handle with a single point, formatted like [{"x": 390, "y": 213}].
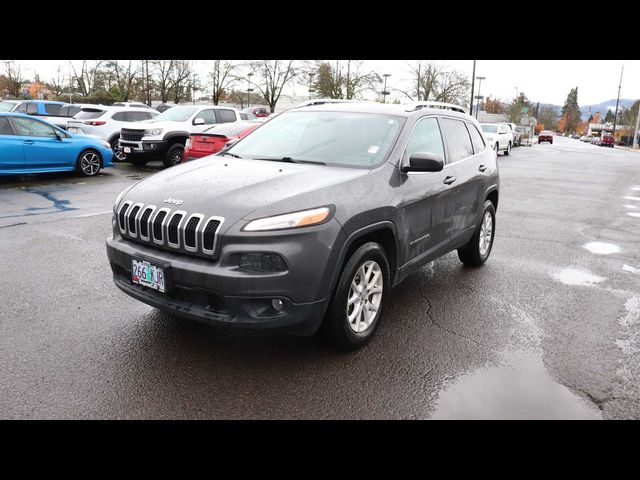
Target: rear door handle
[
  {"x": 29, "y": 142},
  {"x": 482, "y": 168},
  {"x": 449, "y": 180}
]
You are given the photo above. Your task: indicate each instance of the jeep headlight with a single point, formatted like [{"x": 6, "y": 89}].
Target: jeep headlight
[
  {"x": 152, "y": 132},
  {"x": 303, "y": 218}
]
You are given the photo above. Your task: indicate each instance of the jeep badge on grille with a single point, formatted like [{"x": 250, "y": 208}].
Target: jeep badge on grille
[{"x": 172, "y": 200}]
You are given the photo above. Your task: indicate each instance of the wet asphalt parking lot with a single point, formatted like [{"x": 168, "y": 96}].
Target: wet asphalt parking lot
[{"x": 548, "y": 328}]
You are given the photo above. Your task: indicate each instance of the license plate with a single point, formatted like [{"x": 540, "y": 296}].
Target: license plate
[
  {"x": 148, "y": 275},
  {"x": 127, "y": 149}
]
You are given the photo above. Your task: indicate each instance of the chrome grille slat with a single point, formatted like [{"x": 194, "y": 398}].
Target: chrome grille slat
[{"x": 176, "y": 230}]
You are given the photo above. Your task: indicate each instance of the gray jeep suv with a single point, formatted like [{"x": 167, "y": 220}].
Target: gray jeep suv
[{"x": 310, "y": 219}]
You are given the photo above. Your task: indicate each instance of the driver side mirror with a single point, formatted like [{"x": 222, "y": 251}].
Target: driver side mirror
[
  {"x": 198, "y": 121},
  {"x": 424, "y": 162}
]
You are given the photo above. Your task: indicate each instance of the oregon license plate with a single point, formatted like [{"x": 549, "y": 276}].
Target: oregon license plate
[{"x": 148, "y": 275}]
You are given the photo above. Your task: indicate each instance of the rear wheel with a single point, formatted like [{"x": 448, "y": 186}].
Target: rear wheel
[
  {"x": 357, "y": 305},
  {"x": 477, "y": 251},
  {"x": 174, "y": 155},
  {"x": 89, "y": 163}
]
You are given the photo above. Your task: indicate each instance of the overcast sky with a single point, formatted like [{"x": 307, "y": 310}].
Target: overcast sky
[{"x": 547, "y": 81}]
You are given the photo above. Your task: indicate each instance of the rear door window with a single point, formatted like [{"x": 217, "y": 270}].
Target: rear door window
[
  {"x": 476, "y": 138},
  {"x": 136, "y": 116},
  {"x": 226, "y": 116},
  {"x": 120, "y": 117},
  {"x": 457, "y": 139},
  {"x": 52, "y": 109}
]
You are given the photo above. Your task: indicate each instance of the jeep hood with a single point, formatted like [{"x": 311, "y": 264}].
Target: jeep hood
[{"x": 243, "y": 189}]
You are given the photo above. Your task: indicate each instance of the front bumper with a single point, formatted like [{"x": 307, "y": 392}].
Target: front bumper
[
  {"x": 144, "y": 146},
  {"x": 208, "y": 292}
]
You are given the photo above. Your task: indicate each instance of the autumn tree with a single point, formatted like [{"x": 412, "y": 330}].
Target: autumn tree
[
  {"x": 571, "y": 111},
  {"x": 276, "y": 74},
  {"x": 493, "y": 105},
  {"x": 515, "y": 110},
  {"x": 562, "y": 123},
  {"x": 548, "y": 117}
]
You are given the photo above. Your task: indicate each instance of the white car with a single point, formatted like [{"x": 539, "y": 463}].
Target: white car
[
  {"x": 9, "y": 105},
  {"x": 106, "y": 122},
  {"x": 132, "y": 105},
  {"x": 164, "y": 137},
  {"x": 499, "y": 136}
]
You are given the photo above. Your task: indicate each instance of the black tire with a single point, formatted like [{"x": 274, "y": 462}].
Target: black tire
[
  {"x": 336, "y": 323},
  {"x": 470, "y": 254},
  {"x": 118, "y": 153},
  {"x": 173, "y": 156},
  {"x": 138, "y": 161},
  {"x": 89, "y": 163},
  {"x": 497, "y": 148},
  {"x": 508, "y": 150}
]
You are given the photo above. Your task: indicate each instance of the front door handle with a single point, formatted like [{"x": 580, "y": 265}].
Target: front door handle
[
  {"x": 449, "y": 180},
  {"x": 482, "y": 168},
  {"x": 29, "y": 142}
]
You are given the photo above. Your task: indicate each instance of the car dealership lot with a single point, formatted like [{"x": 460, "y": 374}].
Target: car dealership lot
[{"x": 548, "y": 328}]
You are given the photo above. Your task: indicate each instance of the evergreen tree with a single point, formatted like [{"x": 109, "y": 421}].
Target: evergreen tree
[
  {"x": 571, "y": 111},
  {"x": 608, "y": 118}
]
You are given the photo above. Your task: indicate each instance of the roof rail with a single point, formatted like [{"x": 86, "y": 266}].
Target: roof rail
[{"x": 445, "y": 106}]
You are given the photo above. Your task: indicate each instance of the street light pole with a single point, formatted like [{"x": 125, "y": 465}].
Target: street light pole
[
  {"x": 384, "y": 92},
  {"x": 249, "y": 90},
  {"x": 473, "y": 82},
  {"x": 635, "y": 132},
  {"x": 311, "y": 75},
  {"x": 615, "y": 118},
  {"x": 479, "y": 97},
  {"x": 146, "y": 65}
]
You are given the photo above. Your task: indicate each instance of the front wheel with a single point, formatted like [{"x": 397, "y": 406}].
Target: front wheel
[
  {"x": 508, "y": 150},
  {"x": 497, "y": 147},
  {"x": 477, "y": 251},
  {"x": 357, "y": 305},
  {"x": 118, "y": 153},
  {"x": 89, "y": 163},
  {"x": 174, "y": 155}
]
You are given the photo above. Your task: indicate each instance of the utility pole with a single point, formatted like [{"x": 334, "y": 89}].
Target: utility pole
[
  {"x": 249, "y": 90},
  {"x": 615, "y": 118},
  {"x": 311, "y": 90},
  {"x": 473, "y": 82},
  {"x": 384, "y": 92},
  {"x": 146, "y": 63},
  {"x": 635, "y": 132},
  {"x": 478, "y": 96}
]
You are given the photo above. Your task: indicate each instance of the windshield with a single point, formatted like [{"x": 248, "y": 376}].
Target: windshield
[
  {"x": 176, "y": 114},
  {"x": 489, "y": 128},
  {"x": 6, "y": 106},
  {"x": 347, "y": 139}
]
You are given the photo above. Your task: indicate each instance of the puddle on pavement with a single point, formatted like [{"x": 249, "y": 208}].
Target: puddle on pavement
[
  {"x": 602, "y": 248},
  {"x": 522, "y": 389},
  {"x": 574, "y": 276},
  {"x": 634, "y": 214},
  {"x": 630, "y": 206},
  {"x": 632, "y": 198}
]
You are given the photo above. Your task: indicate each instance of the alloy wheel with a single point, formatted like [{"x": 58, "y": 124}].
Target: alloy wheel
[{"x": 365, "y": 296}]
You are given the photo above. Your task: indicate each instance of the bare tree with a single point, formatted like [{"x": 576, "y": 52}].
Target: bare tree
[
  {"x": 436, "y": 83},
  {"x": 452, "y": 87},
  {"x": 88, "y": 78},
  {"x": 163, "y": 73},
  {"x": 357, "y": 82},
  {"x": 123, "y": 75},
  {"x": 181, "y": 81},
  {"x": 57, "y": 84},
  {"x": 13, "y": 75},
  {"x": 276, "y": 74},
  {"x": 222, "y": 78}
]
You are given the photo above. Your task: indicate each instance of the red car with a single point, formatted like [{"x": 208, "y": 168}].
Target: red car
[
  {"x": 606, "y": 141},
  {"x": 213, "y": 139},
  {"x": 545, "y": 136},
  {"x": 257, "y": 111}
]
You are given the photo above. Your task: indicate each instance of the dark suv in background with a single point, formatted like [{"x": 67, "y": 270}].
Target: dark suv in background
[{"x": 311, "y": 219}]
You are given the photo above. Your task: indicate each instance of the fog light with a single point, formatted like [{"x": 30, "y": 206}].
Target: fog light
[{"x": 277, "y": 305}]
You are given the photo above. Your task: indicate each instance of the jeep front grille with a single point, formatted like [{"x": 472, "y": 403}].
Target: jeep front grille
[
  {"x": 171, "y": 230},
  {"x": 131, "y": 134}
]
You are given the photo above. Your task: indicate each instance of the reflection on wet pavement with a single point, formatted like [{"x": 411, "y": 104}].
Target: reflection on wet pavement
[{"x": 522, "y": 389}]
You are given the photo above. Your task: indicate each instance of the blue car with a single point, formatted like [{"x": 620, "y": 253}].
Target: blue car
[{"x": 30, "y": 145}]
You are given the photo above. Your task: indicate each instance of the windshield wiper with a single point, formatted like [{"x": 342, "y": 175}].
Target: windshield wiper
[
  {"x": 232, "y": 155},
  {"x": 291, "y": 160}
]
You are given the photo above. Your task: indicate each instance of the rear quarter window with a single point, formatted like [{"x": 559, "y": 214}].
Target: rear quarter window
[
  {"x": 457, "y": 139},
  {"x": 88, "y": 114},
  {"x": 476, "y": 138},
  {"x": 226, "y": 116}
]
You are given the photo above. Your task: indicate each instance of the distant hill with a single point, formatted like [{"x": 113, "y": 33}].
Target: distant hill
[{"x": 601, "y": 107}]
